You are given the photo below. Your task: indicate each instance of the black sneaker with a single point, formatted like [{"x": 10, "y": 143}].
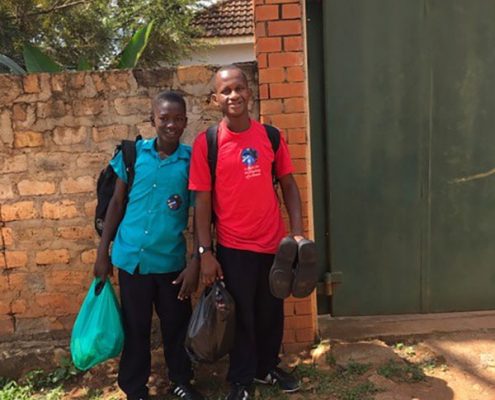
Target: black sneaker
[
  {"x": 285, "y": 381},
  {"x": 238, "y": 392},
  {"x": 185, "y": 391}
]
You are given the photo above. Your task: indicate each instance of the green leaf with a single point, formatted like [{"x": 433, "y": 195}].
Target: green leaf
[
  {"x": 84, "y": 65},
  {"x": 132, "y": 52},
  {"x": 11, "y": 65},
  {"x": 37, "y": 61}
]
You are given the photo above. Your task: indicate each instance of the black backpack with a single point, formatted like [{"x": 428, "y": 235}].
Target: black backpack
[
  {"x": 212, "y": 144},
  {"x": 106, "y": 181}
]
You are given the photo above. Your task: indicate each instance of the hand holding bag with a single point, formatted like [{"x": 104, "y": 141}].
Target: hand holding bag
[
  {"x": 98, "y": 334},
  {"x": 211, "y": 330}
]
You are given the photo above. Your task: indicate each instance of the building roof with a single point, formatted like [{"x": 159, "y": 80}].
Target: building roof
[{"x": 226, "y": 18}]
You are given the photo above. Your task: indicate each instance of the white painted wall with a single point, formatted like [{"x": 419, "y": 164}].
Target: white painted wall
[{"x": 224, "y": 52}]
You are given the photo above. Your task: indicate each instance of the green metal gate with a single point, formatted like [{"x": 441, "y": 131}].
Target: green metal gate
[{"x": 404, "y": 153}]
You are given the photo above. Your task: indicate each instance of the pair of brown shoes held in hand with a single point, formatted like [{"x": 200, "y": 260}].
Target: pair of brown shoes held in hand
[{"x": 294, "y": 270}]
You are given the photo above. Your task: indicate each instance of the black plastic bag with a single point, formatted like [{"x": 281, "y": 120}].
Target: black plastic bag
[{"x": 211, "y": 331}]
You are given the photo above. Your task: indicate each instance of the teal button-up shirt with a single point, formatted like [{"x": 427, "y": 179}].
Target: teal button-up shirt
[{"x": 151, "y": 232}]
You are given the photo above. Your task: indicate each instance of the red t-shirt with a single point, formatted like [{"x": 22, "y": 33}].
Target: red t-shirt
[{"x": 245, "y": 203}]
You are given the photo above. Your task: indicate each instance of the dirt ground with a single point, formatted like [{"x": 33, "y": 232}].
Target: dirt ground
[{"x": 456, "y": 366}]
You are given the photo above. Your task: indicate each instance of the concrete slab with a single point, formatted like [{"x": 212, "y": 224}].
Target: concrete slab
[{"x": 395, "y": 326}]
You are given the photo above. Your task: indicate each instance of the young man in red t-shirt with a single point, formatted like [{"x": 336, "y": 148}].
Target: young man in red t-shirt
[{"x": 249, "y": 229}]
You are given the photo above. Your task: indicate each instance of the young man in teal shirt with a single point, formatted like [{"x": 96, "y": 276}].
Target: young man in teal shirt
[{"x": 149, "y": 251}]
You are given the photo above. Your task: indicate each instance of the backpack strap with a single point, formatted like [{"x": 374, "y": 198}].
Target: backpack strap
[
  {"x": 129, "y": 156},
  {"x": 212, "y": 148},
  {"x": 212, "y": 151},
  {"x": 274, "y": 136}
]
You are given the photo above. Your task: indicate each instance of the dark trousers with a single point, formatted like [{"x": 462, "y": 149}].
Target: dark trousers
[
  {"x": 138, "y": 294},
  {"x": 259, "y": 315}
]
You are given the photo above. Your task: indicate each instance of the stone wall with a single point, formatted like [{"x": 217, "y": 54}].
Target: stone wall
[{"x": 57, "y": 131}]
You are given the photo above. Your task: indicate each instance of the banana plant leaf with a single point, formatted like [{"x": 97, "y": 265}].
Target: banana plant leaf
[
  {"x": 37, "y": 61},
  {"x": 84, "y": 65},
  {"x": 11, "y": 65},
  {"x": 132, "y": 52}
]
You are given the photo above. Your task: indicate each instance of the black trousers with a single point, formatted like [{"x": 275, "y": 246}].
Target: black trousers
[
  {"x": 260, "y": 316},
  {"x": 138, "y": 294}
]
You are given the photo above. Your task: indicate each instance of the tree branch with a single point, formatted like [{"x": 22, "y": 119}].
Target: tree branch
[{"x": 55, "y": 8}]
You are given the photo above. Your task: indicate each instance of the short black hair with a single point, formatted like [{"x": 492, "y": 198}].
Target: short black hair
[
  {"x": 234, "y": 67},
  {"x": 170, "y": 96}
]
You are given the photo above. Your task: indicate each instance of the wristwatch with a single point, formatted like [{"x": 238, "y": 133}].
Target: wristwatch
[{"x": 204, "y": 249}]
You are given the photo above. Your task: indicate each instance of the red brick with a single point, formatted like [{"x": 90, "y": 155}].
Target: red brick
[
  {"x": 289, "y": 120},
  {"x": 304, "y": 197},
  {"x": 295, "y": 104},
  {"x": 294, "y": 348},
  {"x": 288, "y": 308},
  {"x": 57, "y": 280},
  {"x": 281, "y": 1},
  {"x": 259, "y": 2},
  {"x": 18, "y": 211},
  {"x": 305, "y": 335},
  {"x": 78, "y": 185},
  {"x": 303, "y": 308},
  {"x": 265, "y": 13},
  {"x": 260, "y": 30},
  {"x": 88, "y": 256},
  {"x": 298, "y": 322},
  {"x": 299, "y": 166},
  {"x": 301, "y": 180},
  {"x": 57, "y": 303},
  {"x": 295, "y": 74},
  {"x": 19, "y": 306},
  {"x": 284, "y": 28},
  {"x": 269, "y": 45},
  {"x": 264, "y": 92},
  {"x": 271, "y": 75},
  {"x": 16, "y": 259},
  {"x": 60, "y": 210},
  {"x": 60, "y": 256},
  {"x": 35, "y": 188},
  {"x": 284, "y": 90},
  {"x": 268, "y": 107},
  {"x": 262, "y": 60},
  {"x": 77, "y": 232},
  {"x": 296, "y": 136},
  {"x": 89, "y": 208},
  {"x": 286, "y": 59},
  {"x": 293, "y": 43},
  {"x": 298, "y": 150},
  {"x": 291, "y": 11},
  {"x": 289, "y": 336},
  {"x": 18, "y": 280},
  {"x": 7, "y": 237}
]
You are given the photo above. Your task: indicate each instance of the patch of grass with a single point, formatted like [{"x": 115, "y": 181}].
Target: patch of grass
[
  {"x": 363, "y": 391},
  {"x": 13, "y": 391},
  {"x": 330, "y": 359},
  {"x": 355, "y": 368},
  {"x": 267, "y": 392},
  {"x": 39, "y": 384},
  {"x": 40, "y": 379},
  {"x": 94, "y": 394},
  {"x": 343, "y": 383},
  {"x": 401, "y": 372}
]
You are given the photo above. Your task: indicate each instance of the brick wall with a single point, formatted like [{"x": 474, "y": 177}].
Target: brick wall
[
  {"x": 280, "y": 51},
  {"x": 56, "y": 133}
]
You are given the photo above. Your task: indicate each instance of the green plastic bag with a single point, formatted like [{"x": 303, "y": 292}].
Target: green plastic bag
[{"x": 98, "y": 333}]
